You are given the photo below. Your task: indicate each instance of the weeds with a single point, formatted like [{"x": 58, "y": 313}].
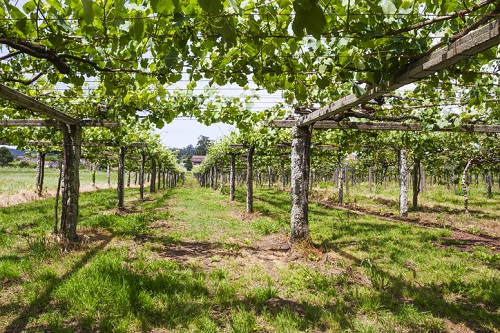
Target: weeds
[
  {"x": 377, "y": 277},
  {"x": 266, "y": 226},
  {"x": 40, "y": 246},
  {"x": 259, "y": 295}
]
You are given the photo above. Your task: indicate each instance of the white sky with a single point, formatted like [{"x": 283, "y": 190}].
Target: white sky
[{"x": 183, "y": 132}]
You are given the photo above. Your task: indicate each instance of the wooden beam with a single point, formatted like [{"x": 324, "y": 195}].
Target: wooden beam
[
  {"x": 238, "y": 146},
  {"x": 390, "y": 126},
  {"x": 99, "y": 123},
  {"x": 36, "y": 106},
  {"x": 138, "y": 144},
  {"x": 27, "y": 123},
  {"x": 89, "y": 144},
  {"x": 326, "y": 147},
  {"x": 465, "y": 47},
  {"x": 332, "y": 147},
  {"x": 54, "y": 123}
]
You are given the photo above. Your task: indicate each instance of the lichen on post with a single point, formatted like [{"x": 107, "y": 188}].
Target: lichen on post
[{"x": 299, "y": 190}]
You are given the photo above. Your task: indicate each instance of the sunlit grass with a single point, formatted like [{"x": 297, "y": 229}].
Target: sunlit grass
[
  {"x": 363, "y": 274},
  {"x": 435, "y": 205},
  {"x": 12, "y": 180}
]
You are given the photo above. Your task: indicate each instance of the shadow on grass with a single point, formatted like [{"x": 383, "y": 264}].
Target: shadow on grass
[
  {"x": 438, "y": 209},
  {"x": 38, "y": 305},
  {"x": 473, "y": 311}
]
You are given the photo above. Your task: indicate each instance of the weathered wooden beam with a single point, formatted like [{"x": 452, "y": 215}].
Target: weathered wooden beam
[
  {"x": 28, "y": 123},
  {"x": 138, "y": 144},
  {"x": 99, "y": 123},
  {"x": 238, "y": 146},
  {"x": 390, "y": 126},
  {"x": 465, "y": 47},
  {"x": 36, "y": 106},
  {"x": 330, "y": 147},
  {"x": 89, "y": 144},
  {"x": 54, "y": 123},
  {"x": 326, "y": 147}
]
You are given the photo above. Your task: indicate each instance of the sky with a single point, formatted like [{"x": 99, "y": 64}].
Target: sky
[{"x": 183, "y": 132}]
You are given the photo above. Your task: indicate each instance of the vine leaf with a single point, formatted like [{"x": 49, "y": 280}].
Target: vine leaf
[
  {"x": 88, "y": 12},
  {"x": 388, "y": 7},
  {"x": 309, "y": 16},
  {"x": 357, "y": 89},
  {"x": 213, "y": 7},
  {"x": 316, "y": 22},
  {"x": 165, "y": 7}
]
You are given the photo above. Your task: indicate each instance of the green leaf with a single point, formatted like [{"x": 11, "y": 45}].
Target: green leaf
[
  {"x": 126, "y": 99},
  {"x": 171, "y": 59},
  {"x": 29, "y": 6},
  {"x": 236, "y": 7},
  {"x": 165, "y": 7},
  {"x": 56, "y": 40},
  {"x": 55, "y": 4},
  {"x": 388, "y": 7},
  {"x": 14, "y": 12},
  {"x": 179, "y": 19},
  {"x": 442, "y": 123},
  {"x": 299, "y": 24},
  {"x": 357, "y": 89},
  {"x": 358, "y": 62},
  {"x": 21, "y": 25},
  {"x": 316, "y": 21},
  {"x": 137, "y": 29},
  {"x": 406, "y": 4},
  {"x": 88, "y": 11},
  {"x": 323, "y": 82},
  {"x": 228, "y": 33},
  {"x": 213, "y": 7}
]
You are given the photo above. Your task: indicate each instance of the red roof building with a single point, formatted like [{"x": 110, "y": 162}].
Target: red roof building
[{"x": 197, "y": 159}]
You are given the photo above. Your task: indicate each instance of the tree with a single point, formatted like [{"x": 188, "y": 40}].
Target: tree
[
  {"x": 5, "y": 156},
  {"x": 202, "y": 145},
  {"x": 186, "y": 151}
]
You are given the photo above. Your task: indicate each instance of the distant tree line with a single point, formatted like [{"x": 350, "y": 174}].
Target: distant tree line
[
  {"x": 6, "y": 156},
  {"x": 184, "y": 154}
]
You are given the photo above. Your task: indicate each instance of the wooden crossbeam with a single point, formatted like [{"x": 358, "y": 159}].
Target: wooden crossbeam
[
  {"x": 36, "y": 106},
  {"x": 89, "y": 144},
  {"x": 238, "y": 146},
  {"x": 54, "y": 123},
  {"x": 326, "y": 147},
  {"x": 389, "y": 126},
  {"x": 99, "y": 123},
  {"x": 465, "y": 47}
]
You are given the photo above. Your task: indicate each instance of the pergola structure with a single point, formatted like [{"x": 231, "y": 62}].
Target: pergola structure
[
  {"x": 71, "y": 129},
  {"x": 463, "y": 48}
]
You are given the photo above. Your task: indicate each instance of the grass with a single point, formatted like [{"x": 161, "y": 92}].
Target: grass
[
  {"x": 14, "y": 179},
  {"x": 187, "y": 260},
  {"x": 436, "y": 205}
]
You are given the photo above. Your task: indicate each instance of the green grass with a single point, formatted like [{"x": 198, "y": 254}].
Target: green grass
[
  {"x": 14, "y": 179},
  {"x": 190, "y": 261},
  {"x": 437, "y": 205}
]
